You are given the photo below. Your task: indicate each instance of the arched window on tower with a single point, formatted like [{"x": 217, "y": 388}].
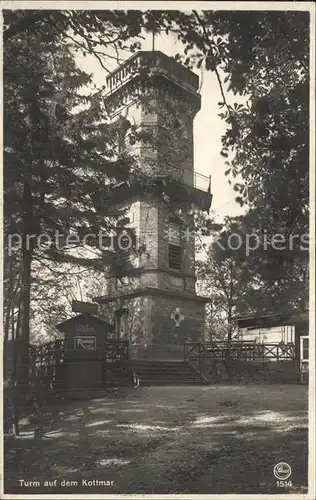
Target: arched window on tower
[
  {"x": 124, "y": 247},
  {"x": 181, "y": 127},
  {"x": 125, "y": 239},
  {"x": 119, "y": 130}
]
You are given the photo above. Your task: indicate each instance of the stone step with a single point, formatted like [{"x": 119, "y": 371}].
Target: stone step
[
  {"x": 158, "y": 383},
  {"x": 161, "y": 370},
  {"x": 152, "y": 373},
  {"x": 166, "y": 373}
]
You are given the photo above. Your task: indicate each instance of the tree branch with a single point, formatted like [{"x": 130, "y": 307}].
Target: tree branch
[
  {"x": 209, "y": 43},
  {"x": 88, "y": 49}
]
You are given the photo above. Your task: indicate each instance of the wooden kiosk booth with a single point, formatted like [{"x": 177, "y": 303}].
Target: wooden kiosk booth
[{"x": 82, "y": 370}]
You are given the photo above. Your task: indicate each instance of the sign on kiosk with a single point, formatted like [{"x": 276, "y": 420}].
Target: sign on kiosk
[{"x": 85, "y": 343}]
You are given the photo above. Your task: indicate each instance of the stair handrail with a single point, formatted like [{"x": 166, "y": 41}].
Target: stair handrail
[
  {"x": 192, "y": 347},
  {"x": 196, "y": 368}
]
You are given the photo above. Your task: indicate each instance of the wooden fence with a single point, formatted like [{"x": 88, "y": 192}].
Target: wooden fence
[{"x": 200, "y": 352}]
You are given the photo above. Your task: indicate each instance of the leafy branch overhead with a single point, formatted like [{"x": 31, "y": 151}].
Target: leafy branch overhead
[{"x": 267, "y": 64}]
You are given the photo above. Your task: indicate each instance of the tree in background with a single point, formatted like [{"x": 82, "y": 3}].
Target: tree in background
[
  {"x": 60, "y": 161},
  {"x": 225, "y": 275},
  {"x": 263, "y": 58},
  {"x": 61, "y": 158},
  {"x": 247, "y": 271},
  {"x": 280, "y": 262}
]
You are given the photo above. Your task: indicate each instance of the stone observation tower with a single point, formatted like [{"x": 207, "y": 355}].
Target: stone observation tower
[{"x": 159, "y": 309}]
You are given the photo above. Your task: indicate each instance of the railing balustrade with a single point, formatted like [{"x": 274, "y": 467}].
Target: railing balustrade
[
  {"x": 53, "y": 353},
  {"x": 116, "y": 350},
  {"x": 198, "y": 352},
  {"x": 156, "y": 62}
]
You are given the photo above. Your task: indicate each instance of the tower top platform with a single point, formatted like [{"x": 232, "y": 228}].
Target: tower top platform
[{"x": 157, "y": 63}]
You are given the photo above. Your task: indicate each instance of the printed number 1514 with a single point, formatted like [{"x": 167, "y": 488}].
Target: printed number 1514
[{"x": 284, "y": 484}]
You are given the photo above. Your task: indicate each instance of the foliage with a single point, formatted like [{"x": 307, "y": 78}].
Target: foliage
[
  {"x": 267, "y": 63},
  {"x": 280, "y": 262},
  {"x": 61, "y": 163},
  {"x": 245, "y": 270},
  {"x": 263, "y": 59},
  {"x": 225, "y": 274}
]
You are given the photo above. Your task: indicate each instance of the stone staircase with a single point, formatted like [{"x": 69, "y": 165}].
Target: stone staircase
[
  {"x": 152, "y": 372},
  {"x": 160, "y": 373},
  {"x": 118, "y": 374}
]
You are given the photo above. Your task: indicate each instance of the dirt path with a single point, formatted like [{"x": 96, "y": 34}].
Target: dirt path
[{"x": 212, "y": 439}]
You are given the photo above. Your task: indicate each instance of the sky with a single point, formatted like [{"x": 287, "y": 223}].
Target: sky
[{"x": 208, "y": 127}]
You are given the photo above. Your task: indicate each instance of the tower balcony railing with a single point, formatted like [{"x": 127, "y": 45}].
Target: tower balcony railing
[
  {"x": 156, "y": 61},
  {"x": 202, "y": 182},
  {"x": 198, "y": 188},
  {"x": 197, "y": 180},
  {"x": 192, "y": 179}
]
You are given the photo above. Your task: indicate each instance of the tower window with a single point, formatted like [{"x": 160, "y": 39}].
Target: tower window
[
  {"x": 174, "y": 233},
  {"x": 120, "y": 128},
  {"x": 175, "y": 250},
  {"x": 175, "y": 257}
]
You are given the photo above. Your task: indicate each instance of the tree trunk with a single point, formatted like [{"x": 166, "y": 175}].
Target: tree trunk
[
  {"x": 20, "y": 378},
  {"x": 9, "y": 299},
  {"x": 230, "y": 330},
  {"x": 230, "y": 307},
  {"x": 24, "y": 327},
  {"x": 23, "y": 340},
  {"x": 7, "y": 323},
  {"x": 17, "y": 325},
  {"x": 11, "y": 409},
  {"x": 229, "y": 359}
]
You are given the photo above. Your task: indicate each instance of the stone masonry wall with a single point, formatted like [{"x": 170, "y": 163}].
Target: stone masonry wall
[
  {"x": 152, "y": 332},
  {"x": 164, "y": 330}
]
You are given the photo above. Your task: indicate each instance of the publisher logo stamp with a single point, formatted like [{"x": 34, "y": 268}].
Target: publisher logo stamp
[{"x": 282, "y": 471}]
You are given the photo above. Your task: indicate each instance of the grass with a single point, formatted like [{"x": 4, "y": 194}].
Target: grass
[{"x": 210, "y": 439}]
